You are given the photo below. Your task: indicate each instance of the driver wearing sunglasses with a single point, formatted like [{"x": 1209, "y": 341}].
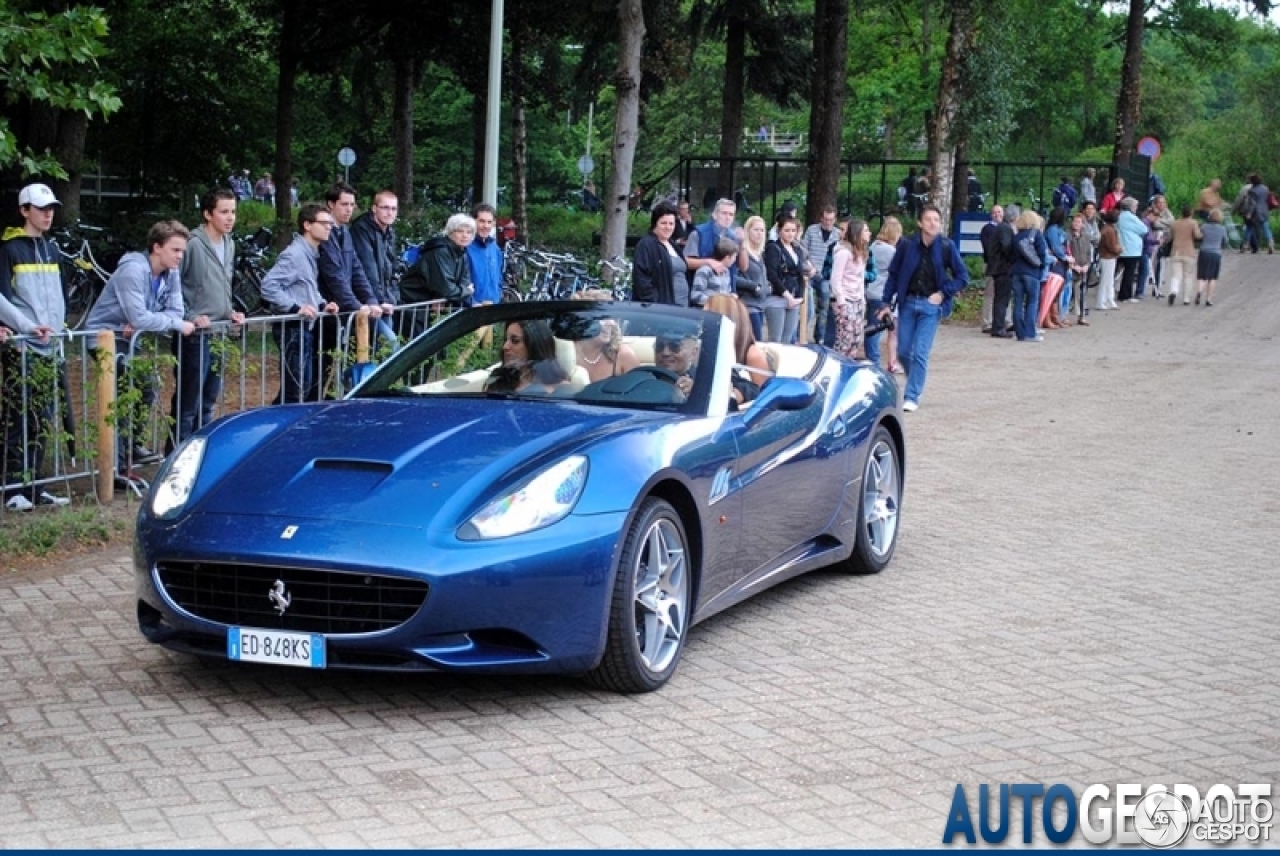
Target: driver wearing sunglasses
[{"x": 678, "y": 354}]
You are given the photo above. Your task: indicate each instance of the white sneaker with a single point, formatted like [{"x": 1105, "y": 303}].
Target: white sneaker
[
  {"x": 46, "y": 498},
  {"x": 19, "y": 503},
  {"x": 910, "y": 407}
]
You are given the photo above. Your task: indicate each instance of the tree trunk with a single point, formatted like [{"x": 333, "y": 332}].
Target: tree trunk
[
  {"x": 1129, "y": 102},
  {"x": 519, "y": 129},
  {"x": 405, "y": 69},
  {"x": 288, "y": 59},
  {"x": 926, "y": 72},
  {"x": 960, "y": 184},
  {"x": 626, "y": 126},
  {"x": 960, "y": 39},
  {"x": 826, "y": 106},
  {"x": 73, "y": 127},
  {"x": 731, "y": 118}
]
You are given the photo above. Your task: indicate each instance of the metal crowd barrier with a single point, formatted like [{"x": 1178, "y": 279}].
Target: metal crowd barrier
[{"x": 103, "y": 397}]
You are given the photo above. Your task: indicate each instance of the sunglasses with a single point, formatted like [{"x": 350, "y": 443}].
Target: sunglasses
[{"x": 672, "y": 345}]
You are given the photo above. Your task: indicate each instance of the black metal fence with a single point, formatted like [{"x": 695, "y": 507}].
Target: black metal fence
[{"x": 869, "y": 189}]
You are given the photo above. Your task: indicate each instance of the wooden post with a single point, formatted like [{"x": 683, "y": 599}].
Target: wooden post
[
  {"x": 106, "y": 356},
  {"x": 803, "y": 338},
  {"x": 362, "y": 336}
]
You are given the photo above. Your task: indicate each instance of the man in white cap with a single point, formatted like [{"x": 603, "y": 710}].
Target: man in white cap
[{"x": 32, "y": 306}]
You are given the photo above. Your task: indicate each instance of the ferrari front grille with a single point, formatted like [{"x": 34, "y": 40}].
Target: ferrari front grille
[{"x": 279, "y": 598}]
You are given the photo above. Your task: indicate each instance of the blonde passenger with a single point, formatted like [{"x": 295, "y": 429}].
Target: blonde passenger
[{"x": 604, "y": 354}]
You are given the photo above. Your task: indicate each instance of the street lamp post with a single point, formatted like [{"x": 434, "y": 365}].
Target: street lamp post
[{"x": 494, "y": 112}]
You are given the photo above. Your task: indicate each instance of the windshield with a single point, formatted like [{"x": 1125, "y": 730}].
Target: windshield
[{"x": 618, "y": 354}]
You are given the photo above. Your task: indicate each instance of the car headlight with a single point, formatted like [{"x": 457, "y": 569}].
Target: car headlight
[
  {"x": 541, "y": 501},
  {"x": 172, "y": 491}
]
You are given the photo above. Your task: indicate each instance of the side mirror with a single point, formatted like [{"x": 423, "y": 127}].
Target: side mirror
[{"x": 781, "y": 393}]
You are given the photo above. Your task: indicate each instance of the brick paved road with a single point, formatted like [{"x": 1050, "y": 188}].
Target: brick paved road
[{"x": 1085, "y": 592}]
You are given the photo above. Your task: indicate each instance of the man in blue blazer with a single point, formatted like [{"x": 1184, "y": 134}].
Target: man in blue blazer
[{"x": 925, "y": 276}]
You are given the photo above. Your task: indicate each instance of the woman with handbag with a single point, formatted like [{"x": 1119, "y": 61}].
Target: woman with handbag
[
  {"x": 782, "y": 264},
  {"x": 1029, "y": 252}
]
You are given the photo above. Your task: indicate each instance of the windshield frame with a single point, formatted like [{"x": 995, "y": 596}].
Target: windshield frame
[{"x": 640, "y": 319}]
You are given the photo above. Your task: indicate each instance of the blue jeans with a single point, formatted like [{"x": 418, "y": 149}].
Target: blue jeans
[
  {"x": 820, "y": 309},
  {"x": 756, "y": 314},
  {"x": 296, "y": 342},
  {"x": 918, "y": 321},
  {"x": 872, "y": 342},
  {"x": 1258, "y": 234},
  {"x": 198, "y": 386},
  {"x": 1026, "y": 305},
  {"x": 1064, "y": 298}
]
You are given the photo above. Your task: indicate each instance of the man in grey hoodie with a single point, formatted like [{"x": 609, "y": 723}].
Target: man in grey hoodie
[
  {"x": 207, "y": 268},
  {"x": 291, "y": 288},
  {"x": 144, "y": 295}
]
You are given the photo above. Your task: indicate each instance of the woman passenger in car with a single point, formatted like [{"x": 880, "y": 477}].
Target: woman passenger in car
[
  {"x": 746, "y": 384},
  {"x": 604, "y": 354},
  {"x": 529, "y": 361}
]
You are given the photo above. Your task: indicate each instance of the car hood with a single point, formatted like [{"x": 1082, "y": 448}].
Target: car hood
[{"x": 418, "y": 463}]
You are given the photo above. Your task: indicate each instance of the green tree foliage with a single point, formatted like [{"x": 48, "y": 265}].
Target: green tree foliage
[
  {"x": 195, "y": 83},
  {"x": 50, "y": 59}
]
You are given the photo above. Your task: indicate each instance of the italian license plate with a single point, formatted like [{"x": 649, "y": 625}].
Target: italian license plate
[{"x": 276, "y": 646}]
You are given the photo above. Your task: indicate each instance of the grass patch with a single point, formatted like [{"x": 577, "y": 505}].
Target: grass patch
[
  {"x": 44, "y": 532},
  {"x": 966, "y": 308}
]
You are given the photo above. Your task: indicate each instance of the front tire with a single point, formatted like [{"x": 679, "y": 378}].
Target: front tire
[
  {"x": 649, "y": 614},
  {"x": 879, "y": 507}
]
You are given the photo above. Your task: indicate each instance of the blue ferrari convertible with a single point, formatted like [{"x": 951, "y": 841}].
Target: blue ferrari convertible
[{"x": 534, "y": 487}]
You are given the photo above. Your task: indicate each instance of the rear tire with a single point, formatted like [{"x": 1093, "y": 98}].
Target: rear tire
[
  {"x": 651, "y": 607},
  {"x": 246, "y": 292},
  {"x": 879, "y": 507}
]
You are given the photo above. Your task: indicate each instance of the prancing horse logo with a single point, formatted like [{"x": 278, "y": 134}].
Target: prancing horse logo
[{"x": 279, "y": 596}]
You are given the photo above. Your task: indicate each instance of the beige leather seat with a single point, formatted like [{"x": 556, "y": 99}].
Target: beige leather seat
[
  {"x": 789, "y": 360},
  {"x": 643, "y": 347},
  {"x": 567, "y": 357}
]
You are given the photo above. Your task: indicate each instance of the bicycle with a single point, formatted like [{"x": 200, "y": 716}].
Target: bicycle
[
  {"x": 246, "y": 280},
  {"x": 617, "y": 273},
  {"x": 84, "y": 278}
]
